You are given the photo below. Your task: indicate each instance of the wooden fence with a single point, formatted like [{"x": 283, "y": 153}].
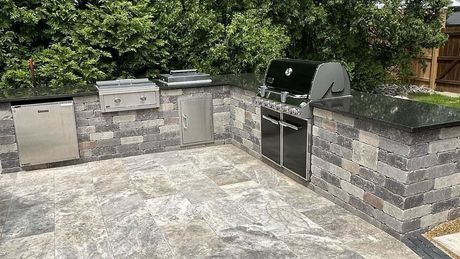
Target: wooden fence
[{"x": 439, "y": 69}]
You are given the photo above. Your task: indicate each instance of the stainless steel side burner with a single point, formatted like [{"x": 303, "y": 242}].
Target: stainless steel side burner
[
  {"x": 128, "y": 94},
  {"x": 184, "y": 77}
]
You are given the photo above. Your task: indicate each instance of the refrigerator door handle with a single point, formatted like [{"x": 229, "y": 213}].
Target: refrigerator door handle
[
  {"x": 288, "y": 125},
  {"x": 271, "y": 120}
]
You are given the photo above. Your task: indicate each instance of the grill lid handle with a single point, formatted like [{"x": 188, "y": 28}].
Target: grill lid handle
[{"x": 174, "y": 72}]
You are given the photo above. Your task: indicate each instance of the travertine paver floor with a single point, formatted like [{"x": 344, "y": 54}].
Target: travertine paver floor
[{"x": 207, "y": 202}]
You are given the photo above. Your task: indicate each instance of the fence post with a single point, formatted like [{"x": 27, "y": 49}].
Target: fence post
[{"x": 434, "y": 67}]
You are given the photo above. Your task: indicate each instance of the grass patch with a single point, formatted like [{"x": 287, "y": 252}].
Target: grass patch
[{"x": 437, "y": 99}]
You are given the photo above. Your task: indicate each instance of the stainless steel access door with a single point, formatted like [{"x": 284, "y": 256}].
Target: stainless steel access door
[
  {"x": 46, "y": 132},
  {"x": 196, "y": 119}
]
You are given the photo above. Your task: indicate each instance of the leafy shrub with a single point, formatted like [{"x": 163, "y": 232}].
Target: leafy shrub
[{"x": 80, "y": 41}]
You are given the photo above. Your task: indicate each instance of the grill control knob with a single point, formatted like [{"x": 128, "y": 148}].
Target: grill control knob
[
  {"x": 294, "y": 111},
  {"x": 273, "y": 105},
  {"x": 278, "y": 106},
  {"x": 266, "y": 103},
  {"x": 286, "y": 108}
]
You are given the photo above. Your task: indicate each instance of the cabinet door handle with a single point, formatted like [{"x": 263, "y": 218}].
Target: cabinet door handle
[
  {"x": 270, "y": 119},
  {"x": 117, "y": 100},
  {"x": 143, "y": 98},
  {"x": 185, "y": 121},
  {"x": 288, "y": 125}
]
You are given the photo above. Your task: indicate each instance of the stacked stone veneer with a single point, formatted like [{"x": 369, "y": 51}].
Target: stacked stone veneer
[
  {"x": 245, "y": 121},
  {"x": 118, "y": 134},
  {"x": 402, "y": 182},
  {"x": 9, "y": 156},
  {"x": 109, "y": 135}
]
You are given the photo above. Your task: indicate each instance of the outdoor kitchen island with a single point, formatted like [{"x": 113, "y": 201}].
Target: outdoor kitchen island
[{"x": 393, "y": 162}]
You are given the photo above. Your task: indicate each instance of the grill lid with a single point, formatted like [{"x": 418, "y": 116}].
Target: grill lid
[
  {"x": 125, "y": 86},
  {"x": 184, "y": 77},
  {"x": 291, "y": 75}
]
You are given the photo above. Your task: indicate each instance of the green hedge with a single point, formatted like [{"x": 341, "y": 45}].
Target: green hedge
[{"x": 76, "y": 42}]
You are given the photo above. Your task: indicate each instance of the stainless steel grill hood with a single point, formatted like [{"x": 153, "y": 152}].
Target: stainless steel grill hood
[{"x": 184, "y": 77}]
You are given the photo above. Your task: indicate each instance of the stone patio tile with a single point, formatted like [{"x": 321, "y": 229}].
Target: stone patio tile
[
  {"x": 302, "y": 198},
  {"x": 39, "y": 177},
  {"x": 252, "y": 242},
  {"x": 152, "y": 186},
  {"x": 252, "y": 194},
  {"x": 451, "y": 242},
  {"x": 136, "y": 235},
  {"x": 82, "y": 235},
  {"x": 194, "y": 239},
  {"x": 73, "y": 177},
  {"x": 317, "y": 244},
  {"x": 173, "y": 209},
  {"x": 199, "y": 190},
  {"x": 33, "y": 220},
  {"x": 264, "y": 174},
  {"x": 115, "y": 204},
  {"x": 32, "y": 195},
  {"x": 344, "y": 225},
  {"x": 282, "y": 220},
  {"x": 225, "y": 175},
  {"x": 76, "y": 204},
  {"x": 381, "y": 248},
  {"x": 206, "y": 159},
  {"x": 36, "y": 246},
  {"x": 223, "y": 214}
]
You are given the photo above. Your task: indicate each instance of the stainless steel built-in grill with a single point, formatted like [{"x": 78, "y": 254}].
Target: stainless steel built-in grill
[
  {"x": 184, "y": 77},
  {"x": 286, "y": 117}
]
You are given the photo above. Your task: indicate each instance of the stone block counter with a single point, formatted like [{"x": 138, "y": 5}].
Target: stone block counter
[
  {"x": 394, "y": 162},
  {"x": 119, "y": 134}
]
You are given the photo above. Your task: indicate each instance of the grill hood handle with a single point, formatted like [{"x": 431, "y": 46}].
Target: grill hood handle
[{"x": 175, "y": 72}]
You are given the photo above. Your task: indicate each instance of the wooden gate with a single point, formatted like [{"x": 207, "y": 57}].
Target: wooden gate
[
  {"x": 448, "y": 75},
  {"x": 440, "y": 69}
]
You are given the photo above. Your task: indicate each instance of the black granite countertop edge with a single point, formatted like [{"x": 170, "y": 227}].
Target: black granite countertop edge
[
  {"x": 387, "y": 123},
  {"x": 45, "y": 97},
  {"x": 249, "y": 82},
  {"x": 406, "y": 115}
]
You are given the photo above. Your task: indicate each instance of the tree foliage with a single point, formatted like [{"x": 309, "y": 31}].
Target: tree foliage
[{"x": 81, "y": 41}]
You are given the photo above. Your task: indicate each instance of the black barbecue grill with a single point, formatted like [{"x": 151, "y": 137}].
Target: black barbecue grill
[{"x": 286, "y": 115}]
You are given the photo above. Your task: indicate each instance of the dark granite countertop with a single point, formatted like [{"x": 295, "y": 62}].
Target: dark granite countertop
[
  {"x": 407, "y": 115},
  {"x": 249, "y": 82},
  {"x": 44, "y": 93}
]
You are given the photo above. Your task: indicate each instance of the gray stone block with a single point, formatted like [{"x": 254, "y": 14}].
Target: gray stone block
[
  {"x": 392, "y": 172},
  {"x": 422, "y": 162},
  {"x": 330, "y": 178},
  {"x": 388, "y": 196},
  {"x": 449, "y": 157},
  {"x": 394, "y": 147},
  {"x": 345, "y": 142},
  {"x": 437, "y": 195},
  {"x": 5, "y": 140},
  {"x": 372, "y": 176},
  {"x": 395, "y": 186},
  {"x": 440, "y": 171},
  {"x": 413, "y": 201},
  {"x": 362, "y": 183},
  {"x": 347, "y": 131},
  {"x": 361, "y": 205},
  {"x": 454, "y": 214},
  {"x": 393, "y": 159},
  {"x": 445, "y": 205},
  {"x": 365, "y": 154},
  {"x": 417, "y": 150},
  {"x": 327, "y": 156}
]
